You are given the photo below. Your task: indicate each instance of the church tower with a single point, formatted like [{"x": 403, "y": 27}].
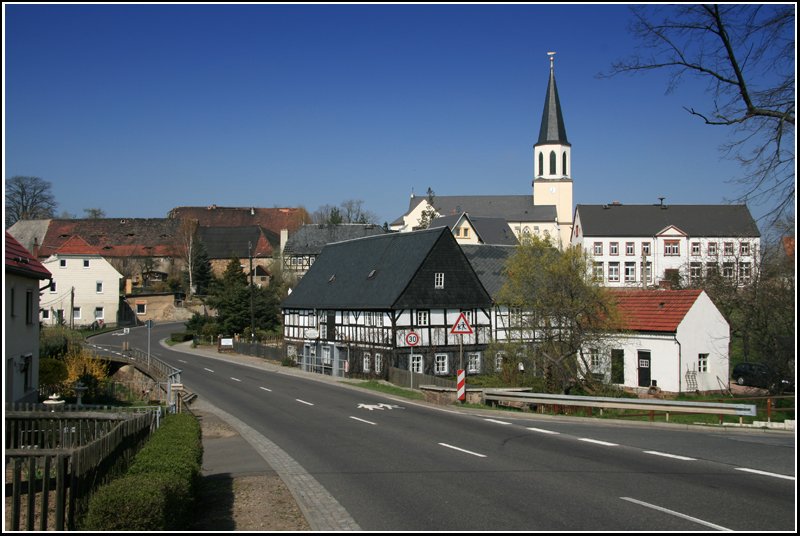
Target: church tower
[{"x": 552, "y": 165}]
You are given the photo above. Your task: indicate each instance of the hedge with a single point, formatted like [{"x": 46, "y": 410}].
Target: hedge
[{"x": 158, "y": 490}]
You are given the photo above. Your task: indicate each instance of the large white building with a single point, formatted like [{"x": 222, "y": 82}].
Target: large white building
[
  {"x": 651, "y": 245},
  {"x": 85, "y": 287}
]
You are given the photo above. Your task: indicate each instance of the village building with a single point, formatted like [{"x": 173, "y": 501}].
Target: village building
[
  {"x": 476, "y": 230},
  {"x": 303, "y": 247},
  {"x": 22, "y": 283}
]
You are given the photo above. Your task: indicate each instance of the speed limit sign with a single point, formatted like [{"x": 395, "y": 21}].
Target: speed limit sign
[{"x": 412, "y": 339}]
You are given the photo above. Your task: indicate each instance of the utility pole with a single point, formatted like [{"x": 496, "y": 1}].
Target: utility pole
[{"x": 252, "y": 311}]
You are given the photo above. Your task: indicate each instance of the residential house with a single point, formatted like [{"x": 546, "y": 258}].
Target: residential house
[
  {"x": 85, "y": 287},
  {"x": 476, "y": 230},
  {"x": 673, "y": 340},
  {"x": 546, "y": 213},
  {"x": 388, "y": 300},
  {"x": 305, "y": 245},
  {"x": 651, "y": 245},
  {"x": 23, "y": 277}
]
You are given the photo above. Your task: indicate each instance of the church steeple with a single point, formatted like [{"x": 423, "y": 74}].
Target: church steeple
[{"x": 552, "y": 150}]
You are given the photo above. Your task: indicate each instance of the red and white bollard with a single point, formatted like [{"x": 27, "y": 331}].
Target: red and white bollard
[{"x": 462, "y": 385}]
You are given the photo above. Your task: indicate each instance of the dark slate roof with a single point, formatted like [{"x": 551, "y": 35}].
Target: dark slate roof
[
  {"x": 20, "y": 261},
  {"x": 508, "y": 207},
  {"x": 375, "y": 272},
  {"x": 230, "y": 242},
  {"x": 489, "y": 263},
  {"x": 489, "y": 230},
  {"x": 648, "y": 220},
  {"x": 552, "y": 129},
  {"x": 310, "y": 239}
]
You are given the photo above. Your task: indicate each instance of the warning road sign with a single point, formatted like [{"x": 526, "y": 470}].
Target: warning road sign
[{"x": 461, "y": 327}]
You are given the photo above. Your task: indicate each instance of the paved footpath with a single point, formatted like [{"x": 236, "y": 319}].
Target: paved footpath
[{"x": 322, "y": 511}]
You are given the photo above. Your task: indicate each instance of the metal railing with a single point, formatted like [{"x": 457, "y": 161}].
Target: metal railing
[{"x": 652, "y": 405}]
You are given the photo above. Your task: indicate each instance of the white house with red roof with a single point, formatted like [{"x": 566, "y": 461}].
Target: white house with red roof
[
  {"x": 85, "y": 287},
  {"x": 23, "y": 281},
  {"x": 675, "y": 340}
]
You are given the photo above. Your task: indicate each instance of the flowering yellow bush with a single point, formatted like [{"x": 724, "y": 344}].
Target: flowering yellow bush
[{"x": 80, "y": 363}]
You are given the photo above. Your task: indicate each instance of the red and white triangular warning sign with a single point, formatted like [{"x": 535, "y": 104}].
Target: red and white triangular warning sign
[{"x": 461, "y": 327}]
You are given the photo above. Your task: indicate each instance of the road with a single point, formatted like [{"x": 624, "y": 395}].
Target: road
[{"x": 396, "y": 465}]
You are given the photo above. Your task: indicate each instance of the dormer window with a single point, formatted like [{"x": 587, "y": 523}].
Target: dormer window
[{"x": 438, "y": 280}]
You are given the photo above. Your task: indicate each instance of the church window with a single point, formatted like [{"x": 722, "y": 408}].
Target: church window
[
  {"x": 553, "y": 163},
  {"x": 541, "y": 164},
  {"x": 564, "y": 164}
]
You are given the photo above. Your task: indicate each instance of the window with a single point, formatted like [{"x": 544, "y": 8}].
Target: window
[
  {"x": 613, "y": 248},
  {"x": 695, "y": 248},
  {"x": 630, "y": 272},
  {"x": 672, "y": 248},
  {"x": 499, "y": 357},
  {"x": 85, "y": 263},
  {"x": 553, "y": 163},
  {"x": 727, "y": 270},
  {"x": 438, "y": 280},
  {"x": 598, "y": 248},
  {"x": 646, "y": 270},
  {"x": 62, "y": 263},
  {"x": 366, "y": 361},
  {"x": 598, "y": 271},
  {"x": 728, "y": 249},
  {"x": 422, "y": 318},
  {"x": 29, "y": 310},
  {"x": 702, "y": 362},
  {"x": 326, "y": 355},
  {"x": 474, "y": 362},
  {"x": 45, "y": 314},
  {"x": 744, "y": 249},
  {"x": 564, "y": 164},
  {"x": 52, "y": 287},
  {"x": 98, "y": 287},
  {"x": 712, "y": 268},
  {"x": 646, "y": 249},
  {"x": 441, "y": 364},
  {"x": 416, "y": 363},
  {"x": 613, "y": 271},
  {"x": 744, "y": 271},
  {"x": 98, "y": 313},
  {"x": 695, "y": 271},
  {"x": 594, "y": 359},
  {"x": 712, "y": 249},
  {"x": 141, "y": 308},
  {"x": 76, "y": 313},
  {"x": 378, "y": 363},
  {"x": 541, "y": 164},
  {"x": 629, "y": 248}
]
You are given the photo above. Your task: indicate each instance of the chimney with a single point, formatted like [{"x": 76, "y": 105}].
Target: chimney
[{"x": 35, "y": 251}]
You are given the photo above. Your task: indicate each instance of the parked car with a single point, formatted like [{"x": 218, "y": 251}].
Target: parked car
[{"x": 760, "y": 375}]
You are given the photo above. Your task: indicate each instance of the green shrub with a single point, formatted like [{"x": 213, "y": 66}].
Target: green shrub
[
  {"x": 182, "y": 336},
  {"x": 52, "y": 371}
]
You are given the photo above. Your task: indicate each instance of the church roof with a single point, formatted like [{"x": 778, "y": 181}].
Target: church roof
[
  {"x": 509, "y": 207},
  {"x": 552, "y": 130}
]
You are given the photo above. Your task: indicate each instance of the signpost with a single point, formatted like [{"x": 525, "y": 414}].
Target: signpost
[
  {"x": 412, "y": 339},
  {"x": 461, "y": 327}
]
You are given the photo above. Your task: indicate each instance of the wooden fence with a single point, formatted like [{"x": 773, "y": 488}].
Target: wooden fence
[{"x": 55, "y": 460}]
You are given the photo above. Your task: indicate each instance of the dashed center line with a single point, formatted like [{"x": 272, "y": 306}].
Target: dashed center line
[
  {"x": 362, "y": 420},
  {"x": 765, "y": 473},
  {"x": 543, "y": 431},
  {"x": 208, "y": 369},
  {"x": 235, "y": 379},
  {"x": 304, "y": 402},
  {"x": 674, "y": 513},
  {"x": 598, "y": 442},
  {"x": 463, "y": 450},
  {"x": 666, "y": 455},
  {"x": 265, "y": 389},
  {"x": 496, "y": 422}
]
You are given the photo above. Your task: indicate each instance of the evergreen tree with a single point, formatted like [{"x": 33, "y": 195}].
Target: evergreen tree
[{"x": 201, "y": 266}]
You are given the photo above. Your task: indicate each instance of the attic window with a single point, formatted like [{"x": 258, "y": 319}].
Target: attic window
[
  {"x": 130, "y": 234},
  {"x": 372, "y": 274},
  {"x": 332, "y": 278}
]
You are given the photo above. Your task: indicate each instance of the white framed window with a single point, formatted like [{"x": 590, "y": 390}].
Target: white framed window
[
  {"x": 647, "y": 270},
  {"x": 76, "y": 313},
  {"x": 98, "y": 286},
  {"x": 85, "y": 263},
  {"x": 613, "y": 248},
  {"x": 594, "y": 359},
  {"x": 416, "y": 363},
  {"x": 695, "y": 249},
  {"x": 441, "y": 364},
  {"x": 630, "y": 272},
  {"x": 499, "y": 357},
  {"x": 99, "y": 313},
  {"x": 326, "y": 355},
  {"x": 646, "y": 249},
  {"x": 367, "y": 359},
  {"x": 728, "y": 249},
  {"x": 744, "y": 249},
  {"x": 422, "y": 318},
  {"x": 702, "y": 362},
  {"x": 438, "y": 280},
  {"x": 744, "y": 271},
  {"x": 613, "y": 271},
  {"x": 712, "y": 249},
  {"x": 473, "y": 362},
  {"x": 598, "y": 248},
  {"x": 696, "y": 271},
  {"x": 672, "y": 248},
  {"x": 62, "y": 263},
  {"x": 629, "y": 248},
  {"x": 728, "y": 270},
  {"x": 598, "y": 271},
  {"x": 378, "y": 363},
  {"x": 141, "y": 308}
]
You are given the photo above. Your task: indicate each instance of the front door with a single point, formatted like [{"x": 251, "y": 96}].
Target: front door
[{"x": 644, "y": 368}]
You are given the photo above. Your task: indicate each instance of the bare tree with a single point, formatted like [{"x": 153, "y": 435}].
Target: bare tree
[
  {"x": 94, "y": 213},
  {"x": 28, "y": 198},
  {"x": 349, "y": 211},
  {"x": 187, "y": 239},
  {"x": 746, "y": 53}
]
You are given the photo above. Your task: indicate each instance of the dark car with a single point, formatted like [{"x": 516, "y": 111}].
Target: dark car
[{"x": 760, "y": 375}]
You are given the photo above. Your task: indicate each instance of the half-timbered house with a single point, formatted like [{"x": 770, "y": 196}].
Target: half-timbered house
[{"x": 388, "y": 300}]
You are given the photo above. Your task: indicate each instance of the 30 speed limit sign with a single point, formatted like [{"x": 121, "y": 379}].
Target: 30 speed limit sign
[{"x": 412, "y": 339}]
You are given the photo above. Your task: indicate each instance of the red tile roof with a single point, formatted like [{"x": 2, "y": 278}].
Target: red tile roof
[
  {"x": 19, "y": 260},
  {"x": 654, "y": 310},
  {"x": 75, "y": 245},
  {"x": 273, "y": 219}
]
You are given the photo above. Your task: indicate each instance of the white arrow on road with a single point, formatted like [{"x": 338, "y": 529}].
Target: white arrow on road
[{"x": 380, "y": 406}]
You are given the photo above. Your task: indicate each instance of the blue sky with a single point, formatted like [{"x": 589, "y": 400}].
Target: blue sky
[{"x": 136, "y": 109}]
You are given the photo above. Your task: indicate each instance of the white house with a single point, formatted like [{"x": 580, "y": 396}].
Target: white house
[
  {"x": 85, "y": 287},
  {"x": 676, "y": 340},
  {"x": 23, "y": 276},
  {"x": 645, "y": 245}
]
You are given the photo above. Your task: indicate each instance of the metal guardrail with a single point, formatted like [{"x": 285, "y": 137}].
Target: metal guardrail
[{"x": 667, "y": 406}]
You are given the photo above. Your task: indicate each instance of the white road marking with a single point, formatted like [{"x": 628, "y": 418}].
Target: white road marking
[
  {"x": 182, "y": 361},
  {"x": 666, "y": 455},
  {"x": 674, "y": 513},
  {"x": 362, "y": 420},
  {"x": 235, "y": 379},
  {"x": 463, "y": 450},
  {"x": 496, "y": 422},
  {"x": 208, "y": 369},
  {"x": 265, "y": 389},
  {"x": 756, "y": 471},
  {"x": 543, "y": 431},
  {"x": 304, "y": 402},
  {"x": 598, "y": 442}
]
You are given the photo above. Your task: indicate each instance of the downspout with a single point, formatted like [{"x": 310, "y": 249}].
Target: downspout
[{"x": 680, "y": 359}]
